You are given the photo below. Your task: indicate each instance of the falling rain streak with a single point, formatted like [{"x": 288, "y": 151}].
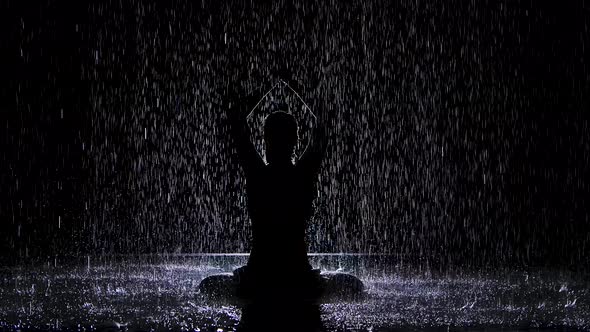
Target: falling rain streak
[
  {"x": 458, "y": 140},
  {"x": 457, "y": 130}
]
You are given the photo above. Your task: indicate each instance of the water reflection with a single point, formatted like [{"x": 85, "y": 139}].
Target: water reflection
[{"x": 149, "y": 294}]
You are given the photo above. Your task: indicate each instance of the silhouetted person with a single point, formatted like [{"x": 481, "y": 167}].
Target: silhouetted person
[
  {"x": 280, "y": 193},
  {"x": 279, "y": 197}
]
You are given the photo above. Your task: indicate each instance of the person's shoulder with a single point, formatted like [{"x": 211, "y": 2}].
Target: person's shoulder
[
  {"x": 304, "y": 168},
  {"x": 257, "y": 169}
]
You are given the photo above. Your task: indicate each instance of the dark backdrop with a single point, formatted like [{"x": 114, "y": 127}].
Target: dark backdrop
[{"x": 460, "y": 129}]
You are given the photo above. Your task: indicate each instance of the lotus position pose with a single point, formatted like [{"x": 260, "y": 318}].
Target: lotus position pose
[{"x": 280, "y": 193}]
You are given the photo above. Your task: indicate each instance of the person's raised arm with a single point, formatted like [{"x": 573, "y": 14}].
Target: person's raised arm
[
  {"x": 314, "y": 153},
  {"x": 238, "y": 108},
  {"x": 316, "y": 149}
]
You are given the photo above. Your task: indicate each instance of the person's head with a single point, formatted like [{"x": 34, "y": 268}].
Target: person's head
[{"x": 280, "y": 137}]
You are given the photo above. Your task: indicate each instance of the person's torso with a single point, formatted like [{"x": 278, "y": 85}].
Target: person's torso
[{"x": 280, "y": 202}]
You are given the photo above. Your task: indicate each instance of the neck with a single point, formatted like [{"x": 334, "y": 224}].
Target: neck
[{"x": 281, "y": 162}]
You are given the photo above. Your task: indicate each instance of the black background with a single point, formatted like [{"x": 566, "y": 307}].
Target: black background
[{"x": 460, "y": 129}]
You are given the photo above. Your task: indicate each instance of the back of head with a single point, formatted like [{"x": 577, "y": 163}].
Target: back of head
[{"x": 280, "y": 137}]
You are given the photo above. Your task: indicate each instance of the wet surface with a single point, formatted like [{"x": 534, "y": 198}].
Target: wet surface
[{"x": 136, "y": 294}]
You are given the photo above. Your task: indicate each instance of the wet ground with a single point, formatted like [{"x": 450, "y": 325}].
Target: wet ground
[{"x": 160, "y": 293}]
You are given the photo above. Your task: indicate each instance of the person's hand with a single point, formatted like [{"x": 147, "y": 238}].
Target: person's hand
[{"x": 284, "y": 76}]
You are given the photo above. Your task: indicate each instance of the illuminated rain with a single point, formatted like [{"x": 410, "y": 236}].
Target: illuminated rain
[{"x": 457, "y": 171}]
